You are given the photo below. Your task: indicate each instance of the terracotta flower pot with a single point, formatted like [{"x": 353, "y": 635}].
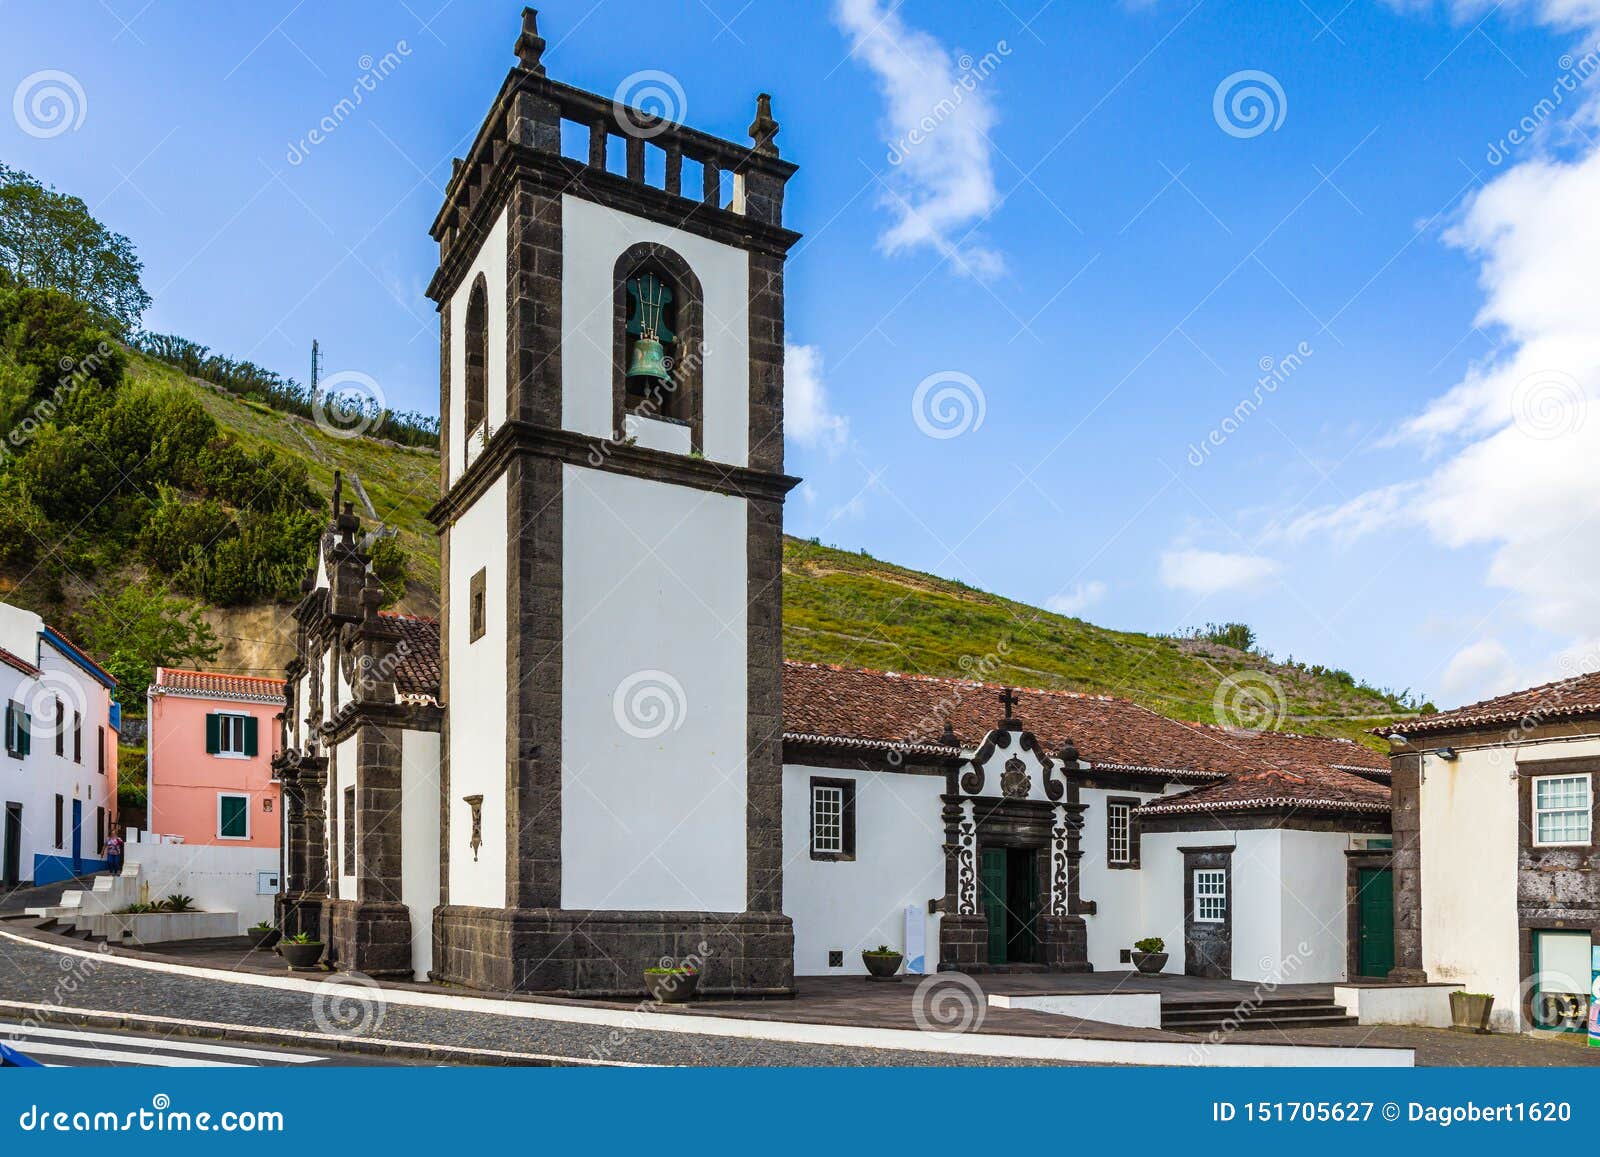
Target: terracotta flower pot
[
  {"x": 674, "y": 987},
  {"x": 882, "y": 965},
  {"x": 300, "y": 957},
  {"x": 1469, "y": 1011},
  {"x": 1149, "y": 962}
]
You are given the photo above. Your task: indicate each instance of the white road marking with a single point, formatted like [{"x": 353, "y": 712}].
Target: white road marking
[
  {"x": 54, "y": 1049},
  {"x": 12, "y": 1034}
]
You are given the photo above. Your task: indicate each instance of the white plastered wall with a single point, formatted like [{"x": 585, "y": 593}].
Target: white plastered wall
[
  {"x": 1470, "y": 816},
  {"x": 857, "y": 904},
  {"x": 1118, "y": 893},
  {"x": 342, "y": 775},
  {"x": 592, "y": 238},
  {"x": 477, "y": 702},
  {"x": 419, "y": 833},
  {"x": 491, "y": 263},
  {"x": 653, "y": 695}
]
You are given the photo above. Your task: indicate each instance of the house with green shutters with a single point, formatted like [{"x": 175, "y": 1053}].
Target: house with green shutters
[{"x": 210, "y": 758}]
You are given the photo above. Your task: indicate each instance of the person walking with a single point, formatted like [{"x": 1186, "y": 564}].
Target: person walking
[{"x": 114, "y": 852}]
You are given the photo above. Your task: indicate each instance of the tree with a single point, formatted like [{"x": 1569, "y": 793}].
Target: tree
[
  {"x": 135, "y": 628},
  {"x": 51, "y": 240}
]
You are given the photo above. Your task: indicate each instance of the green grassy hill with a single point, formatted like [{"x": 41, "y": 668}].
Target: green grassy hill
[{"x": 839, "y": 607}]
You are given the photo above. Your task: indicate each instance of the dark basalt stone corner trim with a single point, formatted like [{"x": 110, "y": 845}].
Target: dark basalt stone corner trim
[
  {"x": 565, "y": 446},
  {"x": 764, "y": 706},
  {"x": 590, "y": 953},
  {"x": 1406, "y": 819},
  {"x": 369, "y": 936},
  {"x": 533, "y": 657}
]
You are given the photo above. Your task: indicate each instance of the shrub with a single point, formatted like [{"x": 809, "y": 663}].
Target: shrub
[{"x": 1150, "y": 944}]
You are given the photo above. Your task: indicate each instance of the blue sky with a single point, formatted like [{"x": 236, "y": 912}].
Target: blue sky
[{"x": 1084, "y": 243}]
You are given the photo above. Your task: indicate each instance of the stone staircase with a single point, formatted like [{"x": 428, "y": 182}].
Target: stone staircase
[
  {"x": 1282, "y": 1012},
  {"x": 100, "y": 913}
]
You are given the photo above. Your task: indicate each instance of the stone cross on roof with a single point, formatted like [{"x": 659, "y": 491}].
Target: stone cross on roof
[{"x": 1009, "y": 699}]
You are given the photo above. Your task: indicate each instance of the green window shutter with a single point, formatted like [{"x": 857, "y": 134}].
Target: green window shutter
[
  {"x": 12, "y": 743},
  {"x": 213, "y": 739},
  {"x": 234, "y": 822},
  {"x": 249, "y": 734},
  {"x": 25, "y": 731}
]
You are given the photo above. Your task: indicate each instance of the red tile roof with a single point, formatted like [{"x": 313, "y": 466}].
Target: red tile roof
[
  {"x": 219, "y": 685},
  {"x": 1245, "y": 768},
  {"x": 418, "y": 672},
  {"x": 1569, "y": 698},
  {"x": 878, "y": 710}
]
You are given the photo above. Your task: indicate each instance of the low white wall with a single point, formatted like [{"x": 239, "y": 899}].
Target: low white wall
[
  {"x": 1135, "y": 1009},
  {"x": 1424, "y": 1005},
  {"x": 218, "y": 877}
]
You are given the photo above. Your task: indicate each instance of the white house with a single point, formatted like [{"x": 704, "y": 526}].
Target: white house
[
  {"x": 1497, "y": 851},
  {"x": 597, "y": 759},
  {"x": 58, "y": 773}
]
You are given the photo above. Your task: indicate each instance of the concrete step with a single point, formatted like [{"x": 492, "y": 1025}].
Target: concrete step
[{"x": 1219, "y": 1016}]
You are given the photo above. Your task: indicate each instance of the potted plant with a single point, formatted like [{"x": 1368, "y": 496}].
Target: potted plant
[
  {"x": 1150, "y": 954},
  {"x": 672, "y": 984},
  {"x": 1469, "y": 1011},
  {"x": 883, "y": 963},
  {"x": 262, "y": 935},
  {"x": 300, "y": 952}
]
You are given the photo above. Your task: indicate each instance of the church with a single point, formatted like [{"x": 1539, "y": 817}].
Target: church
[{"x": 597, "y": 760}]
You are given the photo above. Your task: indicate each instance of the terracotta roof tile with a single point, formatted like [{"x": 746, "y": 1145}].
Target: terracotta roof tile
[
  {"x": 418, "y": 672},
  {"x": 864, "y": 709},
  {"x": 1568, "y": 698},
  {"x": 222, "y": 686}
]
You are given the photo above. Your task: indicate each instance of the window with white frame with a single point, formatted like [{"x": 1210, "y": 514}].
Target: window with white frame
[
  {"x": 827, "y": 819},
  {"x": 1562, "y": 810},
  {"x": 233, "y": 816},
  {"x": 1211, "y": 895},
  {"x": 833, "y": 820},
  {"x": 230, "y": 734},
  {"x": 1119, "y": 832}
]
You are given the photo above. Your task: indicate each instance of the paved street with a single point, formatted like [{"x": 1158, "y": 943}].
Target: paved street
[{"x": 33, "y": 974}]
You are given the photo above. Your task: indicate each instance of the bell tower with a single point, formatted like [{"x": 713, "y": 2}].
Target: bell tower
[{"x": 612, "y": 487}]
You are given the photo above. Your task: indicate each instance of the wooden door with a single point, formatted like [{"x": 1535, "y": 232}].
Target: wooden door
[
  {"x": 992, "y": 878},
  {"x": 1375, "y": 909},
  {"x": 11, "y": 864}
]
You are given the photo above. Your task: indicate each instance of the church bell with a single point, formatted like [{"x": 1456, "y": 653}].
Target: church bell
[
  {"x": 649, "y": 360},
  {"x": 648, "y": 328}
]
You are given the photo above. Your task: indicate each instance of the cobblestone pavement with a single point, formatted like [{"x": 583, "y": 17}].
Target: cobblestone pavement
[
  {"x": 1440, "y": 1046},
  {"x": 35, "y": 974}
]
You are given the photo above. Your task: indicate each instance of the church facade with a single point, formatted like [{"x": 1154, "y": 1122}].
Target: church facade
[{"x": 597, "y": 759}]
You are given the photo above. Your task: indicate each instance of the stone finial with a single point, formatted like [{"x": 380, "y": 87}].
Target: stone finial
[
  {"x": 338, "y": 490},
  {"x": 530, "y": 45},
  {"x": 763, "y": 129}
]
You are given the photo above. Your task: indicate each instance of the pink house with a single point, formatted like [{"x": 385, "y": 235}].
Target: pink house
[{"x": 210, "y": 757}]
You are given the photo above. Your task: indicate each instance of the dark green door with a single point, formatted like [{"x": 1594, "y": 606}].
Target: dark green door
[
  {"x": 1375, "y": 919},
  {"x": 992, "y": 877}
]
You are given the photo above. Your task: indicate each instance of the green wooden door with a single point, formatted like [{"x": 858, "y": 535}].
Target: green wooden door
[
  {"x": 1375, "y": 907},
  {"x": 992, "y": 877}
]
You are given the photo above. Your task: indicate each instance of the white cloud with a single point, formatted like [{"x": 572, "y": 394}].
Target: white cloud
[
  {"x": 1515, "y": 443},
  {"x": 1209, "y": 572},
  {"x": 1079, "y": 599},
  {"x": 807, "y": 419},
  {"x": 1565, "y": 14},
  {"x": 1478, "y": 671},
  {"x": 937, "y": 118}
]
